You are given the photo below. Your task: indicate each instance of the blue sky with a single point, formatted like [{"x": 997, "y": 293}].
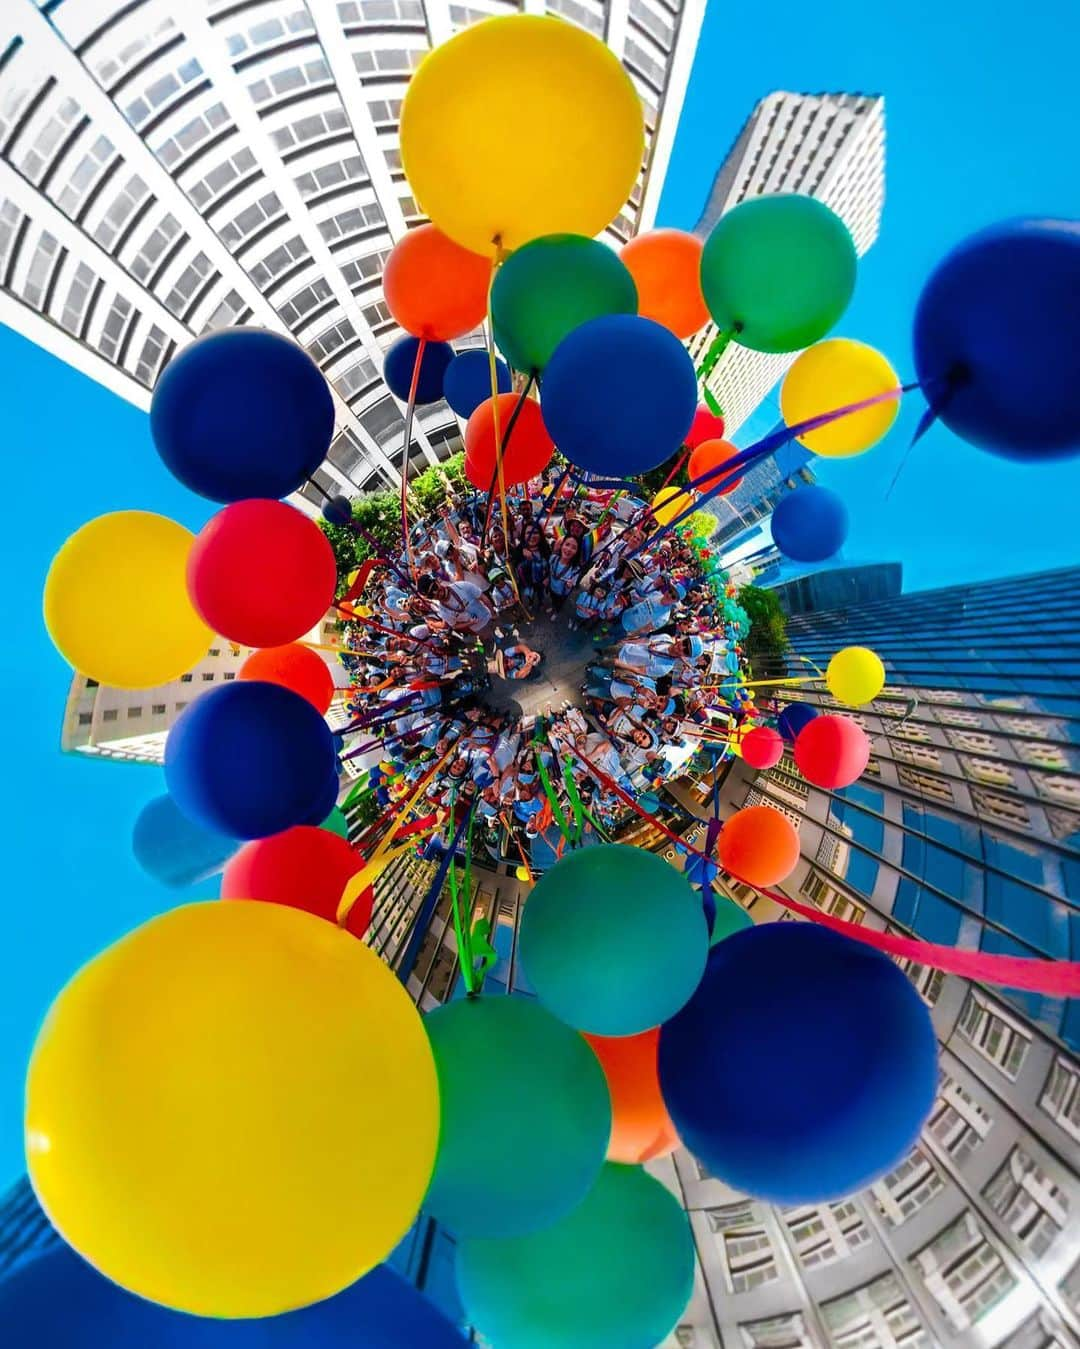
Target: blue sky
[{"x": 980, "y": 124}]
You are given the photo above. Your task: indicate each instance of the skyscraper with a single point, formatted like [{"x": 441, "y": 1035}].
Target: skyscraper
[
  {"x": 829, "y": 146},
  {"x": 757, "y": 492},
  {"x": 170, "y": 169}
]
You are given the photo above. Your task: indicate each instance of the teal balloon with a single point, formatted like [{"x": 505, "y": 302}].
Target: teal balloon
[
  {"x": 549, "y": 287},
  {"x": 613, "y": 940},
  {"x": 174, "y": 850},
  {"x": 730, "y": 918},
  {"x": 526, "y": 1117},
  {"x": 617, "y": 1272},
  {"x": 336, "y": 823},
  {"x": 779, "y": 270}
]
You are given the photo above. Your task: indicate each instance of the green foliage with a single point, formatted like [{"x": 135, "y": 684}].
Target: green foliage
[
  {"x": 652, "y": 481},
  {"x": 702, "y": 524},
  {"x": 766, "y": 641}
]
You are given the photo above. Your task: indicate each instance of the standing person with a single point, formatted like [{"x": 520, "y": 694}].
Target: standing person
[
  {"x": 460, "y": 605},
  {"x": 532, "y": 563},
  {"x": 564, "y": 568}
]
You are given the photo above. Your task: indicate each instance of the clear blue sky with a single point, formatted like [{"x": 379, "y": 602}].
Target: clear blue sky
[{"x": 980, "y": 125}]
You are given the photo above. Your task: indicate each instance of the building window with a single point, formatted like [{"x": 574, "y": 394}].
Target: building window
[
  {"x": 1024, "y": 1197},
  {"x": 185, "y": 679},
  {"x": 1060, "y": 1097},
  {"x": 122, "y": 204},
  {"x": 825, "y": 1234},
  {"x": 963, "y": 1272},
  {"x": 154, "y": 247},
  {"x": 208, "y": 678},
  {"x": 229, "y": 674},
  {"x": 876, "y": 1316},
  {"x": 749, "y": 1258},
  {"x": 907, "y": 1188},
  {"x": 134, "y": 713},
  {"x": 109, "y": 714},
  {"x": 226, "y": 314},
  {"x": 152, "y": 356},
  {"x": 990, "y": 772},
  {"x": 158, "y": 709},
  {"x": 221, "y": 177},
  {"x": 1000, "y": 809},
  {"x": 283, "y": 83},
  {"x": 327, "y": 177},
  {"x": 993, "y": 1034},
  {"x": 778, "y": 1332},
  {"x": 175, "y": 148},
  {"x": 827, "y": 897},
  {"x": 190, "y": 280},
  {"x": 924, "y": 784},
  {"x": 957, "y": 1123},
  {"x": 85, "y": 718}
]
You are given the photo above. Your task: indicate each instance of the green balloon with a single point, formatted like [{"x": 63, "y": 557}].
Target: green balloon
[
  {"x": 613, "y": 940},
  {"x": 526, "y": 1117},
  {"x": 551, "y": 286},
  {"x": 780, "y": 270},
  {"x": 617, "y": 1272},
  {"x": 730, "y": 918},
  {"x": 336, "y": 823}
]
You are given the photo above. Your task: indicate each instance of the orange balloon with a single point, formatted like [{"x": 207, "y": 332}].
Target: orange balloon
[
  {"x": 295, "y": 667},
  {"x": 710, "y": 455},
  {"x": 641, "y": 1128},
  {"x": 527, "y": 453},
  {"x": 435, "y": 288},
  {"x": 666, "y": 267},
  {"x": 759, "y": 845}
]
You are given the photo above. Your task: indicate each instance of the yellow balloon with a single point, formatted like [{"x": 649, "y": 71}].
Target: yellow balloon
[
  {"x": 521, "y": 126},
  {"x": 523, "y": 874},
  {"x": 233, "y": 1111},
  {"x": 832, "y": 374},
  {"x": 670, "y": 502},
  {"x": 116, "y": 601},
  {"x": 855, "y": 675}
]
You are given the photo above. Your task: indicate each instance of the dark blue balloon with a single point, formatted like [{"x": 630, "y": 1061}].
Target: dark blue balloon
[
  {"x": 398, "y": 366},
  {"x": 57, "y": 1301},
  {"x": 339, "y": 745},
  {"x": 793, "y": 718},
  {"x": 619, "y": 394},
  {"x": 249, "y": 759},
  {"x": 803, "y": 1066},
  {"x": 997, "y": 339},
  {"x": 337, "y": 510},
  {"x": 810, "y": 524},
  {"x": 242, "y": 413},
  {"x": 175, "y": 850},
  {"x": 327, "y": 801},
  {"x": 467, "y": 382}
]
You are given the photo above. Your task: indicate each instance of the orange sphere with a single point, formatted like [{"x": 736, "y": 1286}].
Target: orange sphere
[
  {"x": 710, "y": 455},
  {"x": 641, "y": 1128},
  {"x": 666, "y": 267},
  {"x": 295, "y": 667},
  {"x": 435, "y": 288},
  {"x": 529, "y": 449},
  {"x": 759, "y": 845}
]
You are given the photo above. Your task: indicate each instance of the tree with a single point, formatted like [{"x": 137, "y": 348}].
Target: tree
[
  {"x": 766, "y": 643},
  {"x": 651, "y": 482}
]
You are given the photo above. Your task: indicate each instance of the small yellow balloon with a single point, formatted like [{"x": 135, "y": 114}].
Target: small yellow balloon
[
  {"x": 521, "y": 126},
  {"x": 833, "y": 374},
  {"x": 233, "y": 1111},
  {"x": 855, "y": 676},
  {"x": 670, "y": 502},
  {"x": 116, "y": 601},
  {"x": 523, "y": 874}
]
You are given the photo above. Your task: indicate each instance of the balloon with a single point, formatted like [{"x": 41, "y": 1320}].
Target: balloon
[
  {"x": 832, "y": 751},
  {"x": 619, "y": 395},
  {"x": 619, "y": 1270},
  {"x": 809, "y": 524},
  {"x": 802, "y": 1068},
  {"x": 213, "y": 1123},
  {"x": 705, "y": 426},
  {"x": 325, "y": 801},
  {"x": 242, "y": 412},
  {"x": 528, "y": 453},
  {"x": 532, "y": 1089},
  {"x": 670, "y": 502},
  {"x": 337, "y": 510},
  {"x": 248, "y": 759},
  {"x": 855, "y": 675},
  {"x": 57, "y": 1301},
  {"x": 467, "y": 382},
  {"x": 997, "y": 339},
  {"x": 641, "y": 1128},
  {"x": 762, "y": 747},
  {"x": 400, "y": 361},
  {"x": 261, "y": 573},
  {"x": 708, "y": 456},
  {"x": 116, "y": 604},
  {"x": 305, "y": 867},
  {"x": 666, "y": 267},
  {"x": 649, "y": 802},
  {"x": 294, "y": 667},
  {"x": 173, "y": 849},
  {"x": 779, "y": 270},
  {"x": 612, "y": 939},
  {"x": 759, "y": 845},
  {"x": 730, "y": 917},
  {"x": 551, "y": 286},
  {"x": 523, "y": 874},
  {"x": 433, "y": 287},
  {"x": 832, "y": 374},
  {"x": 794, "y": 717},
  {"x": 584, "y": 130},
  {"x": 336, "y": 823}
]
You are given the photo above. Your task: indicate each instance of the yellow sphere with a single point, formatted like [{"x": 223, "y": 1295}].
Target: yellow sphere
[
  {"x": 116, "y": 601},
  {"x": 233, "y": 1111},
  {"x": 523, "y": 874},
  {"x": 855, "y": 676},
  {"x": 670, "y": 502},
  {"x": 521, "y": 126},
  {"x": 831, "y": 375}
]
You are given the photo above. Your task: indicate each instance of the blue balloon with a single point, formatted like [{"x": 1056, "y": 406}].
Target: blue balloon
[
  {"x": 793, "y": 718},
  {"x": 619, "y": 394},
  {"x": 810, "y": 524},
  {"x": 649, "y": 802},
  {"x": 57, "y": 1301},
  {"x": 997, "y": 339},
  {"x": 803, "y": 1066},
  {"x": 398, "y": 366},
  {"x": 175, "y": 850},
  {"x": 339, "y": 745},
  {"x": 327, "y": 801},
  {"x": 467, "y": 382},
  {"x": 337, "y": 511},
  {"x": 242, "y": 413},
  {"x": 249, "y": 759}
]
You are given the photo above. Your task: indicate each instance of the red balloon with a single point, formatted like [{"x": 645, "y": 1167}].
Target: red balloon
[
  {"x": 759, "y": 845},
  {"x": 528, "y": 453},
  {"x": 762, "y": 747},
  {"x": 303, "y": 868},
  {"x": 433, "y": 287},
  {"x": 294, "y": 667},
  {"x": 705, "y": 426},
  {"x": 710, "y": 455},
  {"x": 832, "y": 751},
  {"x": 261, "y": 573}
]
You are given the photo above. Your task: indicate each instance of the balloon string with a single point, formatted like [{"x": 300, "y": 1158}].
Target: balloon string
[
  {"x": 678, "y": 465},
  {"x": 716, "y": 349},
  {"x": 354, "y": 617},
  {"x": 506, "y": 441},
  {"x": 493, "y": 371},
  {"x": 409, "y": 408},
  {"x": 427, "y": 908}
]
